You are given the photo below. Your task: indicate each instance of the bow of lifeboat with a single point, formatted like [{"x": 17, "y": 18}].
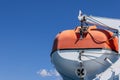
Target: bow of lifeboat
[{"x": 79, "y": 55}]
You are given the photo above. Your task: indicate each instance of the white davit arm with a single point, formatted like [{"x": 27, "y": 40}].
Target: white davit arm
[
  {"x": 101, "y": 21},
  {"x": 105, "y": 22}
]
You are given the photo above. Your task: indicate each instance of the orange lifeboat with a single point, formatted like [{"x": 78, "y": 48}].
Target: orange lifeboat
[
  {"x": 92, "y": 38},
  {"x": 75, "y": 52}
]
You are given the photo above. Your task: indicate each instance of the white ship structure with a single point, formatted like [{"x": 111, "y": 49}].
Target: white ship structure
[{"x": 89, "y": 52}]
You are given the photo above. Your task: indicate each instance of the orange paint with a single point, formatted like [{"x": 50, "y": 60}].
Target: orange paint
[{"x": 94, "y": 38}]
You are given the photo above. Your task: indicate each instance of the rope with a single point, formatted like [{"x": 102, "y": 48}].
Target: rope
[{"x": 112, "y": 37}]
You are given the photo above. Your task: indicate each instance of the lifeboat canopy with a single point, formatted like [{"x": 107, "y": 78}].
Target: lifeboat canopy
[{"x": 86, "y": 38}]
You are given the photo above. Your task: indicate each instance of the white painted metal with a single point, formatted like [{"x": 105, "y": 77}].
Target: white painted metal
[
  {"x": 105, "y": 22},
  {"x": 67, "y": 61},
  {"x": 112, "y": 73}
]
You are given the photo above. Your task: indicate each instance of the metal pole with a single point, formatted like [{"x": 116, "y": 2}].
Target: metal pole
[{"x": 119, "y": 40}]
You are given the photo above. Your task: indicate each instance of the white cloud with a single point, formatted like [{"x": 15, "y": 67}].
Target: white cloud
[
  {"x": 43, "y": 73},
  {"x": 46, "y": 73}
]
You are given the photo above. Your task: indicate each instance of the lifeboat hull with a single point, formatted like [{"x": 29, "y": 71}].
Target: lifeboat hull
[
  {"x": 93, "y": 62},
  {"x": 83, "y": 55}
]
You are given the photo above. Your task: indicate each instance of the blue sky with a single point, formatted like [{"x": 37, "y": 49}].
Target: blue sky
[{"x": 28, "y": 28}]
